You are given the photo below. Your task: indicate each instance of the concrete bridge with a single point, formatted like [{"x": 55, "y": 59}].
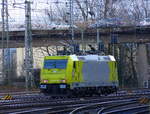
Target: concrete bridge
[{"x": 55, "y": 37}]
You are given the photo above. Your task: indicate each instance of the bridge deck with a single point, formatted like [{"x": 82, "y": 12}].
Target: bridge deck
[{"x": 54, "y": 37}]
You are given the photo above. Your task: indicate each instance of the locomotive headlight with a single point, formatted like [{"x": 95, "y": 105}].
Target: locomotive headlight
[
  {"x": 45, "y": 81},
  {"x": 63, "y": 81}
]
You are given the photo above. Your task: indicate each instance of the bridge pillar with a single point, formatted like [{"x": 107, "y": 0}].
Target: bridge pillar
[{"x": 142, "y": 66}]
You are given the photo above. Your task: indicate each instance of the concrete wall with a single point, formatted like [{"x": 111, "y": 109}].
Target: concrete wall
[
  {"x": 38, "y": 56},
  {"x": 142, "y": 66},
  {"x": 20, "y": 61}
]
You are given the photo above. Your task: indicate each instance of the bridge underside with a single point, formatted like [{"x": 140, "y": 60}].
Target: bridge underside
[
  {"x": 61, "y": 37},
  {"x": 49, "y": 41}
]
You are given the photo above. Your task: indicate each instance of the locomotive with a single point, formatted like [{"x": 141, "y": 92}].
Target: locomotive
[{"x": 79, "y": 75}]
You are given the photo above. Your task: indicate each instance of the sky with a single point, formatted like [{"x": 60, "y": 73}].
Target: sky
[{"x": 17, "y": 11}]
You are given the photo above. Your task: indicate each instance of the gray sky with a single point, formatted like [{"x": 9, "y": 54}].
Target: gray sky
[{"x": 16, "y": 14}]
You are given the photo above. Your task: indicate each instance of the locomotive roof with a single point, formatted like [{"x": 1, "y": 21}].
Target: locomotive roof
[{"x": 93, "y": 58}]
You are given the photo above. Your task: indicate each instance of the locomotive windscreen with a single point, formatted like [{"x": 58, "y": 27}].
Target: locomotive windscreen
[{"x": 55, "y": 64}]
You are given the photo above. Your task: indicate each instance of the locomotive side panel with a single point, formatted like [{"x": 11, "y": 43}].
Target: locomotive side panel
[{"x": 96, "y": 73}]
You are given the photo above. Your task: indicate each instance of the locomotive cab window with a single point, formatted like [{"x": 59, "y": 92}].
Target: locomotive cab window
[{"x": 58, "y": 64}]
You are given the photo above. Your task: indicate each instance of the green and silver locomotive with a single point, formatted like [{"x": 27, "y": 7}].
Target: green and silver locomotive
[{"x": 77, "y": 75}]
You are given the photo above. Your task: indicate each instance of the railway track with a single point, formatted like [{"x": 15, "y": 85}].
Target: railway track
[
  {"x": 130, "y": 106},
  {"x": 38, "y": 103},
  {"x": 54, "y": 107},
  {"x": 100, "y": 106},
  {"x": 136, "y": 108}
]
